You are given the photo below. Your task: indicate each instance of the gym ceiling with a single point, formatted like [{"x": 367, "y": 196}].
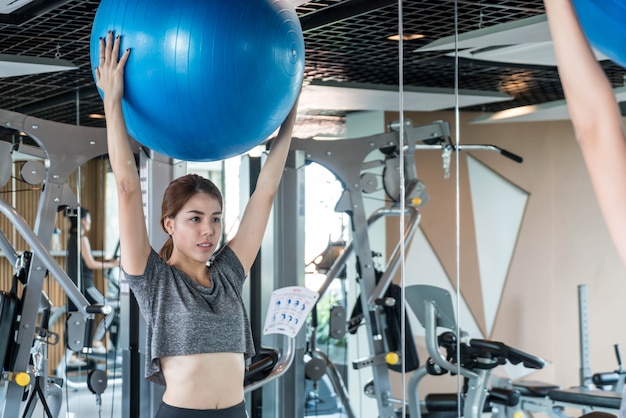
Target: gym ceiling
[{"x": 347, "y": 44}]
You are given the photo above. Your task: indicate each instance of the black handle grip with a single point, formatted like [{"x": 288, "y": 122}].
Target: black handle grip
[
  {"x": 512, "y": 156},
  {"x": 605, "y": 379},
  {"x": 618, "y": 355},
  {"x": 501, "y": 396},
  {"x": 88, "y": 334},
  {"x": 99, "y": 309}
]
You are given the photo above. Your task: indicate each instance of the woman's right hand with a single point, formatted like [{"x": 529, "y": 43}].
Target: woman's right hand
[{"x": 110, "y": 70}]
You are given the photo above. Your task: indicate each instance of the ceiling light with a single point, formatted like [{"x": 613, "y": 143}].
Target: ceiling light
[
  {"x": 96, "y": 116},
  {"x": 406, "y": 37},
  {"x": 513, "y": 112}
]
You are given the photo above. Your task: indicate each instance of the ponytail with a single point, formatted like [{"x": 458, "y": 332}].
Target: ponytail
[{"x": 166, "y": 250}]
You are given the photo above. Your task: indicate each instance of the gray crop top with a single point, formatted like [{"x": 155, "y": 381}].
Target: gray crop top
[{"x": 184, "y": 317}]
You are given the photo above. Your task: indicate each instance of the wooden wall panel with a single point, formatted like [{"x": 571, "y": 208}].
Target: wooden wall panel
[{"x": 5, "y": 267}]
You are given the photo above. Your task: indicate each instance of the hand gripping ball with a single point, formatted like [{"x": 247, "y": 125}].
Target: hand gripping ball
[
  {"x": 604, "y": 24},
  {"x": 205, "y": 80}
]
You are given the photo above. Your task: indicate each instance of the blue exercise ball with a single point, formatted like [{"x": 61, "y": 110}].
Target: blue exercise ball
[
  {"x": 205, "y": 80},
  {"x": 604, "y": 24}
]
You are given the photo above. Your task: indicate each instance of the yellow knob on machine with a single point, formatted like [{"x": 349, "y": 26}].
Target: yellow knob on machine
[
  {"x": 21, "y": 378},
  {"x": 392, "y": 358}
]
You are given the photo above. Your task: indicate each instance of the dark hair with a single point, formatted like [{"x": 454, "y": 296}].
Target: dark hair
[
  {"x": 73, "y": 218},
  {"x": 178, "y": 192}
]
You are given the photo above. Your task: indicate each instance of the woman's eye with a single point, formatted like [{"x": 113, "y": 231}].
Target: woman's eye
[
  {"x": 217, "y": 220},
  {"x": 195, "y": 219}
]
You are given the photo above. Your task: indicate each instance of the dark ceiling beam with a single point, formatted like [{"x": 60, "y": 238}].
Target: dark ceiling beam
[
  {"x": 341, "y": 11},
  {"x": 30, "y": 11}
]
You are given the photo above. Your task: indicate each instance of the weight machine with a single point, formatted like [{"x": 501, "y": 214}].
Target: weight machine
[
  {"x": 474, "y": 363},
  {"x": 346, "y": 159},
  {"x": 55, "y": 139}
]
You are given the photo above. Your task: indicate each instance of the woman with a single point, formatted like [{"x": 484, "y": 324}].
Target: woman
[
  {"x": 198, "y": 333},
  {"x": 87, "y": 266},
  {"x": 595, "y": 115}
]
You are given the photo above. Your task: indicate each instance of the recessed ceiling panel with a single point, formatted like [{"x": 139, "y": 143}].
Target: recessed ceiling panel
[
  {"x": 17, "y": 65},
  {"x": 353, "y": 97},
  {"x": 525, "y": 42},
  {"x": 532, "y": 29}
]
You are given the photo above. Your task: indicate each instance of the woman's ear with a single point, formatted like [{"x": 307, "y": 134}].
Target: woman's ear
[{"x": 168, "y": 224}]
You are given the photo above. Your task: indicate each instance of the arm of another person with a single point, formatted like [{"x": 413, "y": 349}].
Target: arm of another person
[
  {"x": 134, "y": 243},
  {"x": 92, "y": 263},
  {"x": 595, "y": 116},
  {"x": 247, "y": 241}
]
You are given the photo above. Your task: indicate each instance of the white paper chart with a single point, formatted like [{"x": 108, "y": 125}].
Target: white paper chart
[{"x": 289, "y": 307}]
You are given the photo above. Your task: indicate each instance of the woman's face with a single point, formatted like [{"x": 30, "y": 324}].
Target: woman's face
[
  {"x": 196, "y": 229},
  {"x": 86, "y": 223}
]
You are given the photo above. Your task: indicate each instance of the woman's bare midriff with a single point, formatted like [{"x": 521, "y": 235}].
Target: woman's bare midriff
[{"x": 204, "y": 381}]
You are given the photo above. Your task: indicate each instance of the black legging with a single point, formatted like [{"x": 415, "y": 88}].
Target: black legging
[{"x": 168, "y": 411}]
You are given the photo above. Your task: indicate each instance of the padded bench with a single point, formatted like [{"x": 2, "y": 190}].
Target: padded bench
[{"x": 588, "y": 397}]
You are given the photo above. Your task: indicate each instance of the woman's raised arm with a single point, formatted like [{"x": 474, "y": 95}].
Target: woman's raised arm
[
  {"x": 595, "y": 116},
  {"x": 254, "y": 221},
  {"x": 134, "y": 243}
]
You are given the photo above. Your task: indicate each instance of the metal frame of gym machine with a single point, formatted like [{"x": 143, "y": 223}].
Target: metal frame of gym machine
[
  {"x": 346, "y": 159},
  {"x": 55, "y": 140}
]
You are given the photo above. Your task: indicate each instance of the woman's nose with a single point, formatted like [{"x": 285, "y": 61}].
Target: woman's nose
[{"x": 207, "y": 228}]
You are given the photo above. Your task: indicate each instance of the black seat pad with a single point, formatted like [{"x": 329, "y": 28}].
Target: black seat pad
[{"x": 534, "y": 388}]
